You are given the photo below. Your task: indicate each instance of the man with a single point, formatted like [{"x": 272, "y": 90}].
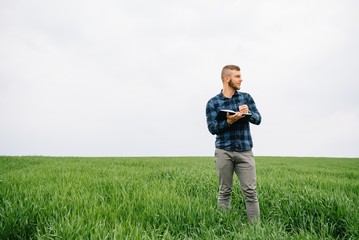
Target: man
[{"x": 233, "y": 144}]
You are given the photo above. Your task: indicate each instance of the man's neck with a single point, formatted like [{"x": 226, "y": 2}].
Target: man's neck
[{"x": 228, "y": 92}]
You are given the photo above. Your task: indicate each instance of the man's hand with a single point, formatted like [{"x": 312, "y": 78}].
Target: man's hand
[
  {"x": 243, "y": 108},
  {"x": 234, "y": 117}
]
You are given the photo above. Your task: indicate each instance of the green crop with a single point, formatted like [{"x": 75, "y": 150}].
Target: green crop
[{"x": 174, "y": 198}]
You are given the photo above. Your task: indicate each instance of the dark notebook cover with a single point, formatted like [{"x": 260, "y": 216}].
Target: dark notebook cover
[{"x": 222, "y": 115}]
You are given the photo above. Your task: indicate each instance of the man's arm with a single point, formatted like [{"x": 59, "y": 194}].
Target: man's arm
[
  {"x": 214, "y": 126},
  {"x": 256, "y": 117}
]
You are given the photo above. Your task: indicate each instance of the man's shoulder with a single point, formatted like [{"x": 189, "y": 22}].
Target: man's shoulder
[
  {"x": 244, "y": 94},
  {"x": 217, "y": 97},
  {"x": 214, "y": 102}
]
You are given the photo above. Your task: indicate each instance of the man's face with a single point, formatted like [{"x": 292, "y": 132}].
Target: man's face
[{"x": 235, "y": 80}]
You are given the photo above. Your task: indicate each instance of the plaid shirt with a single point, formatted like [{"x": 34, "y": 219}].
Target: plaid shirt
[{"x": 235, "y": 137}]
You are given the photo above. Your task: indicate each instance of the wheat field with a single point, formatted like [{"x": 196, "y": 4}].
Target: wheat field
[{"x": 174, "y": 198}]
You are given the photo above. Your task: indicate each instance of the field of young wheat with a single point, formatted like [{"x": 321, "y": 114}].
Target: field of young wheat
[{"x": 174, "y": 198}]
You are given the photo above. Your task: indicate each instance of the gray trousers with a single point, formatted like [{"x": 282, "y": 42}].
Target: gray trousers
[{"x": 242, "y": 163}]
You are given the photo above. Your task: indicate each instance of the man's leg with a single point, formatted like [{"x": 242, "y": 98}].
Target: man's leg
[
  {"x": 225, "y": 167},
  {"x": 246, "y": 171}
]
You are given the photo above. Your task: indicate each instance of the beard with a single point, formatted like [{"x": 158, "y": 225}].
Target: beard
[{"x": 234, "y": 86}]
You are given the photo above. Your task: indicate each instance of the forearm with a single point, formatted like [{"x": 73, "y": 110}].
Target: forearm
[
  {"x": 216, "y": 127},
  {"x": 255, "y": 118}
]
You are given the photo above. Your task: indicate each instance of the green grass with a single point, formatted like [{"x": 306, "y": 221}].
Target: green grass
[{"x": 174, "y": 198}]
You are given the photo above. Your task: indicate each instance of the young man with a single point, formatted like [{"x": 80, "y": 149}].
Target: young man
[{"x": 233, "y": 144}]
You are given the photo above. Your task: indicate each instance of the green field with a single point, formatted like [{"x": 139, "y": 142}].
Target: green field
[{"x": 174, "y": 198}]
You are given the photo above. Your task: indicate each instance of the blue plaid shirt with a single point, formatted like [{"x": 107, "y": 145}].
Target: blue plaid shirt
[{"x": 235, "y": 137}]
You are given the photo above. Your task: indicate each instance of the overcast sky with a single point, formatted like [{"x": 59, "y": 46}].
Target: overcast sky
[{"x": 132, "y": 78}]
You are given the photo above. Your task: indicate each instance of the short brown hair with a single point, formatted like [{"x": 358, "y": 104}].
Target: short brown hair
[{"x": 226, "y": 70}]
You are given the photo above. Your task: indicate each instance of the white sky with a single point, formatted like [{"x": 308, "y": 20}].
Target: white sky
[{"x": 132, "y": 78}]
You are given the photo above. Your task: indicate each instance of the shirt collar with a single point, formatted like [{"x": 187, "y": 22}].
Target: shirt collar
[{"x": 236, "y": 93}]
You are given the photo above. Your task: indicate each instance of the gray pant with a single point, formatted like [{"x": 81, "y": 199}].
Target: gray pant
[{"x": 242, "y": 163}]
